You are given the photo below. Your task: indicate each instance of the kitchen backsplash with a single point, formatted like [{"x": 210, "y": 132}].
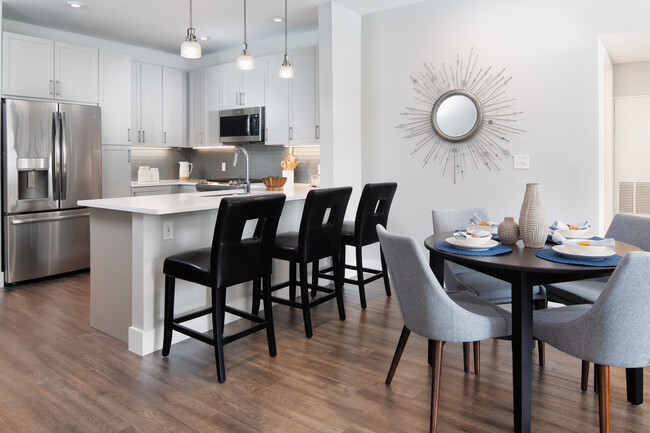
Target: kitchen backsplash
[
  {"x": 165, "y": 159},
  {"x": 264, "y": 161}
]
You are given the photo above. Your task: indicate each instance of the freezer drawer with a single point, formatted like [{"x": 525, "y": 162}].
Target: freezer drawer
[{"x": 48, "y": 243}]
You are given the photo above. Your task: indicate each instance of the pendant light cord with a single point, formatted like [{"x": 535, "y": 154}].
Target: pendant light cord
[
  {"x": 245, "y": 44},
  {"x": 191, "y": 14},
  {"x": 285, "y": 28}
]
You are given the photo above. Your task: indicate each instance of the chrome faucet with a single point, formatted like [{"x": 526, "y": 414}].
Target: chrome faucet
[{"x": 234, "y": 163}]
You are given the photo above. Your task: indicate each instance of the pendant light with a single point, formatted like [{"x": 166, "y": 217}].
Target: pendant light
[
  {"x": 245, "y": 62},
  {"x": 286, "y": 70},
  {"x": 190, "y": 48}
]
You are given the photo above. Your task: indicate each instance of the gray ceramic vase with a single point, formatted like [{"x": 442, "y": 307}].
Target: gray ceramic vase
[
  {"x": 532, "y": 219},
  {"x": 508, "y": 231}
]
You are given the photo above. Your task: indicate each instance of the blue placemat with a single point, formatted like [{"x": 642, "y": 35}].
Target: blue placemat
[
  {"x": 449, "y": 248},
  {"x": 550, "y": 255},
  {"x": 549, "y": 238}
]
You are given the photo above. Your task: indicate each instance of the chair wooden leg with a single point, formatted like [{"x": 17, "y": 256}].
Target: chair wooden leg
[
  {"x": 359, "y": 264},
  {"x": 314, "y": 278},
  {"x": 292, "y": 281},
  {"x": 403, "y": 338},
  {"x": 430, "y": 352},
  {"x": 595, "y": 379},
  {"x": 217, "y": 332},
  {"x": 541, "y": 352},
  {"x": 435, "y": 385},
  {"x": 477, "y": 357},
  {"x": 384, "y": 271},
  {"x": 257, "y": 292},
  {"x": 339, "y": 271},
  {"x": 584, "y": 376},
  {"x": 466, "y": 357},
  {"x": 603, "y": 397},
  {"x": 304, "y": 299},
  {"x": 268, "y": 315},
  {"x": 170, "y": 283}
]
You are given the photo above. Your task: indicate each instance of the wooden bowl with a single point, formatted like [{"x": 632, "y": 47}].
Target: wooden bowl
[{"x": 274, "y": 183}]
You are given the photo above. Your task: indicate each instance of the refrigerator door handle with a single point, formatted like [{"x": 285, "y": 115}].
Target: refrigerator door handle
[
  {"x": 48, "y": 219},
  {"x": 56, "y": 156},
  {"x": 64, "y": 156}
]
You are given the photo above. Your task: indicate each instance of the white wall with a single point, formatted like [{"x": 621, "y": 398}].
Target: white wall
[
  {"x": 550, "y": 50},
  {"x": 340, "y": 98}
]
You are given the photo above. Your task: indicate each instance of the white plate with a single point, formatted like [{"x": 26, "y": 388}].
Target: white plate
[
  {"x": 576, "y": 234},
  {"x": 562, "y": 250},
  {"x": 490, "y": 229},
  {"x": 486, "y": 246}
]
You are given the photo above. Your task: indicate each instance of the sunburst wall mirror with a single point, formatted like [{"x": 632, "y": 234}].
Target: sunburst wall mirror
[{"x": 463, "y": 118}]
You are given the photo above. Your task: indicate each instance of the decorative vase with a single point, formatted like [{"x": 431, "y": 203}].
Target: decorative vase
[
  {"x": 508, "y": 231},
  {"x": 532, "y": 219}
]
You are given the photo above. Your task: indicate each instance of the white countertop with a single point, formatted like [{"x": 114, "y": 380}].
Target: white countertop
[{"x": 186, "y": 202}]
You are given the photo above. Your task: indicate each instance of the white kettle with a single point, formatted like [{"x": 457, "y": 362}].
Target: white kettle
[{"x": 185, "y": 170}]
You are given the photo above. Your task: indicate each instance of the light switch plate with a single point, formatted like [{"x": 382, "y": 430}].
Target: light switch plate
[
  {"x": 223, "y": 166},
  {"x": 168, "y": 230},
  {"x": 520, "y": 162}
]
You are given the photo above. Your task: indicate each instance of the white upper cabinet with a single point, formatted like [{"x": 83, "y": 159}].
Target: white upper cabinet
[
  {"x": 115, "y": 98},
  {"x": 213, "y": 104},
  {"x": 41, "y": 68},
  {"x": 173, "y": 107},
  {"x": 243, "y": 88},
  {"x": 277, "y": 104},
  {"x": 151, "y": 111},
  {"x": 197, "y": 107},
  {"x": 303, "y": 126},
  {"x": 76, "y": 75}
]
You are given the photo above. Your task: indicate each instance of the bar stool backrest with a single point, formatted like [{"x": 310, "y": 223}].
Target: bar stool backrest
[
  {"x": 373, "y": 209},
  {"x": 321, "y": 223},
  {"x": 235, "y": 259}
]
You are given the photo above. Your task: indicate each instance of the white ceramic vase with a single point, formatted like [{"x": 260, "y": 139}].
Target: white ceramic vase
[{"x": 532, "y": 219}]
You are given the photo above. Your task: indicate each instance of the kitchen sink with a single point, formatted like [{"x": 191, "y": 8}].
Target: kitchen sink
[{"x": 215, "y": 186}]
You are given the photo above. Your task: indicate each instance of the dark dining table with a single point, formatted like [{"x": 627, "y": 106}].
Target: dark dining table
[{"x": 523, "y": 270}]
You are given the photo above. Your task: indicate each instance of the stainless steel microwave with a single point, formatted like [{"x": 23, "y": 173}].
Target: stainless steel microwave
[{"x": 242, "y": 125}]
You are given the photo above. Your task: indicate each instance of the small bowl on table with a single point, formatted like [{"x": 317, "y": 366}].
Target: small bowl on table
[
  {"x": 574, "y": 233},
  {"x": 473, "y": 242},
  {"x": 274, "y": 183},
  {"x": 586, "y": 250}
]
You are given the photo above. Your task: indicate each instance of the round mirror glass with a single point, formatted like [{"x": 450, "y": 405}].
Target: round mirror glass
[{"x": 456, "y": 116}]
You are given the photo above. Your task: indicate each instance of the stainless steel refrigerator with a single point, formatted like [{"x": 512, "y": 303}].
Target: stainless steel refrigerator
[{"x": 51, "y": 157}]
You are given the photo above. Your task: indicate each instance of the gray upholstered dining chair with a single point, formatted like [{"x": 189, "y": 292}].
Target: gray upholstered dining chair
[
  {"x": 429, "y": 311},
  {"x": 615, "y": 331},
  {"x": 631, "y": 229},
  {"x": 459, "y": 277}
]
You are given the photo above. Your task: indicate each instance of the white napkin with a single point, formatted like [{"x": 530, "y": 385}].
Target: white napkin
[
  {"x": 557, "y": 237},
  {"x": 476, "y": 220},
  {"x": 559, "y": 225},
  {"x": 469, "y": 234}
]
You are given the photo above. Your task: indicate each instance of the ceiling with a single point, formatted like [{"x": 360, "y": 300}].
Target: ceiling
[
  {"x": 162, "y": 24},
  {"x": 627, "y": 47}
]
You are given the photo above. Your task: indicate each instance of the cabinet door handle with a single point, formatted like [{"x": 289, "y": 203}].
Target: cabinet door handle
[
  {"x": 128, "y": 135},
  {"x": 165, "y": 137},
  {"x": 139, "y": 136},
  {"x": 143, "y": 136},
  {"x": 291, "y": 133},
  {"x": 128, "y": 156},
  {"x": 243, "y": 98},
  {"x": 58, "y": 87},
  {"x": 51, "y": 87},
  {"x": 317, "y": 128}
]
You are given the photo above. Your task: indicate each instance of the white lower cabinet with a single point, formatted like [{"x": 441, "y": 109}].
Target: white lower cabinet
[
  {"x": 150, "y": 190},
  {"x": 116, "y": 171}
]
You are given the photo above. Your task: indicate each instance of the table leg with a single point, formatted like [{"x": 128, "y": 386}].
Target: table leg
[
  {"x": 522, "y": 356},
  {"x": 634, "y": 377}
]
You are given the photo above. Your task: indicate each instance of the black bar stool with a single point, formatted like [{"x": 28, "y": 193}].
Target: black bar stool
[
  {"x": 319, "y": 237},
  {"x": 231, "y": 260},
  {"x": 373, "y": 209}
]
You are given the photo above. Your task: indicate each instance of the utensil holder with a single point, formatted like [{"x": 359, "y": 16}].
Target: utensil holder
[{"x": 289, "y": 175}]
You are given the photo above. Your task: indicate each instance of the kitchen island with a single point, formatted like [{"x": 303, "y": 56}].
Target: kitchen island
[{"x": 130, "y": 238}]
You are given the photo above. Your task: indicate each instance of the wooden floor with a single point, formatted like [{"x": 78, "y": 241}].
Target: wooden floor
[{"x": 58, "y": 374}]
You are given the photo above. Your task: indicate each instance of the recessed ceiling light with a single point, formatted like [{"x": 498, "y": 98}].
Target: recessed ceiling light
[
  {"x": 277, "y": 19},
  {"x": 74, "y": 4},
  {"x": 205, "y": 38}
]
